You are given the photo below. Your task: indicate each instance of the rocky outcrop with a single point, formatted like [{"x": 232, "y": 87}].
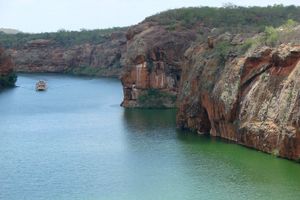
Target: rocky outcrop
[
  {"x": 44, "y": 55},
  {"x": 252, "y": 100},
  {"x": 249, "y": 96},
  {"x": 229, "y": 85},
  {"x": 153, "y": 65},
  {"x": 7, "y": 75}
]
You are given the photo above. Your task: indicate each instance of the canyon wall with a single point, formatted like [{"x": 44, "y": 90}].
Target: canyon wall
[
  {"x": 7, "y": 75},
  {"x": 152, "y": 65},
  {"x": 226, "y": 76},
  {"x": 252, "y": 100},
  {"x": 221, "y": 86},
  {"x": 44, "y": 55}
]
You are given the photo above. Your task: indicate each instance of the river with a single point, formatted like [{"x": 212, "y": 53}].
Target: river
[{"x": 74, "y": 142}]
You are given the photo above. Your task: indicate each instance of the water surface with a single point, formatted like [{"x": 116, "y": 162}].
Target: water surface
[{"x": 74, "y": 142}]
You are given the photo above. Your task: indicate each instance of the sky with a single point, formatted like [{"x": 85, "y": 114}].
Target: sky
[{"x": 51, "y": 15}]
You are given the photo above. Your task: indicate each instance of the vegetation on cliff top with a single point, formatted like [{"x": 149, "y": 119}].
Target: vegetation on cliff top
[
  {"x": 230, "y": 17},
  {"x": 61, "y": 37},
  {"x": 286, "y": 33}
]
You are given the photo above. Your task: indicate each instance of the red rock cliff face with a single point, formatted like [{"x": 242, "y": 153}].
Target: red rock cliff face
[
  {"x": 251, "y": 98},
  {"x": 6, "y": 70},
  {"x": 153, "y": 65},
  {"x": 46, "y": 56}
]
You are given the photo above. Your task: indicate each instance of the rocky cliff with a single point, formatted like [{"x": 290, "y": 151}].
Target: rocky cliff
[
  {"x": 44, "y": 55},
  {"x": 227, "y": 70},
  {"x": 153, "y": 65},
  {"x": 253, "y": 99},
  {"x": 236, "y": 86},
  {"x": 7, "y": 75}
]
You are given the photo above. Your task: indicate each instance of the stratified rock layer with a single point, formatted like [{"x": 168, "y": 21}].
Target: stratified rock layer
[
  {"x": 153, "y": 65},
  {"x": 250, "y": 96},
  {"x": 253, "y": 100},
  {"x": 44, "y": 55},
  {"x": 219, "y": 85}
]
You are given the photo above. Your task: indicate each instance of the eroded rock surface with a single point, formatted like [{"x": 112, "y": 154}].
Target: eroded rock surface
[
  {"x": 253, "y": 100},
  {"x": 227, "y": 84},
  {"x": 153, "y": 65},
  {"x": 44, "y": 55},
  {"x": 250, "y": 96}
]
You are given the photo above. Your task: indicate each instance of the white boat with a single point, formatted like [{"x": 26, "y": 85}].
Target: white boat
[{"x": 41, "y": 85}]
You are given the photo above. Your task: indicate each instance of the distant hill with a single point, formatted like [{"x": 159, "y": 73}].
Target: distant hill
[
  {"x": 62, "y": 37},
  {"x": 230, "y": 18},
  {"x": 9, "y": 30}
]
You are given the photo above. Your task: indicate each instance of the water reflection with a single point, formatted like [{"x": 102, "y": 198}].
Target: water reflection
[
  {"x": 238, "y": 171},
  {"x": 73, "y": 142},
  {"x": 215, "y": 168},
  {"x": 150, "y": 118}
]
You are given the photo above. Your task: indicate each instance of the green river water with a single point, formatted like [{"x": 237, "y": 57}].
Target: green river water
[{"x": 74, "y": 142}]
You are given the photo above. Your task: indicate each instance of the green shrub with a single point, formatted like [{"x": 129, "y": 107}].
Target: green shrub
[
  {"x": 290, "y": 23},
  {"x": 171, "y": 27},
  {"x": 223, "y": 49},
  {"x": 247, "y": 44},
  {"x": 271, "y": 36},
  {"x": 230, "y": 17},
  {"x": 275, "y": 152},
  {"x": 154, "y": 98},
  {"x": 8, "y": 80}
]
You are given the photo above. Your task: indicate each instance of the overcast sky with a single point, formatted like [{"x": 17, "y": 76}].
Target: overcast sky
[{"x": 52, "y": 15}]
